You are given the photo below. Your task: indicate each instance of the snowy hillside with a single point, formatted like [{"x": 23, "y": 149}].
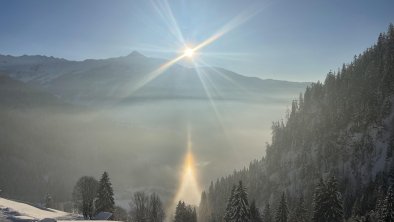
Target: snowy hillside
[
  {"x": 343, "y": 127},
  {"x": 16, "y": 211}
]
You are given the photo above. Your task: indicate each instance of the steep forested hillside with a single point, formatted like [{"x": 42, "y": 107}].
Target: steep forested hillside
[{"x": 343, "y": 127}]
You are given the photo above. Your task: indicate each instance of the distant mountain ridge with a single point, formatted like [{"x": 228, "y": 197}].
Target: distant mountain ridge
[{"x": 115, "y": 79}]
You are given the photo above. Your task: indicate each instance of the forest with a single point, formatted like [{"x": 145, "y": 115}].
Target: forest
[{"x": 330, "y": 159}]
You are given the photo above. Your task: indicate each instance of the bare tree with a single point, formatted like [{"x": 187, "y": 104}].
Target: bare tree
[
  {"x": 146, "y": 208},
  {"x": 155, "y": 210},
  {"x": 139, "y": 207},
  {"x": 83, "y": 195}
]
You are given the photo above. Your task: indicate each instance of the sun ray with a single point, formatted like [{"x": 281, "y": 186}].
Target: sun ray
[
  {"x": 165, "y": 11},
  {"x": 233, "y": 82},
  {"x": 200, "y": 74}
]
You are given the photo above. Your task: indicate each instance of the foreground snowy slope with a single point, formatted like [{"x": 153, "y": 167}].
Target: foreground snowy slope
[{"x": 16, "y": 211}]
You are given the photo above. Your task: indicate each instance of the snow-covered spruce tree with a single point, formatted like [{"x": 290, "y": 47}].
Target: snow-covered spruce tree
[
  {"x": 318, "y": 202},
  {"x": 267, "y": 213},
  {"x": 387, "y": 207},
  {"x": 240, "y": 207},
  {"x": 228, "y": 214},
  {"x": 282, "y": 210},
  {"x": 105, "y": 195},
  {"x": 334, "y": 204},
  {"x": 185, "y": 213},
  {"x": 255, "y": 215}
]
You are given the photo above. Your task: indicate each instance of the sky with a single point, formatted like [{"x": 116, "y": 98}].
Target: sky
[{"x": 280, "y": 39}]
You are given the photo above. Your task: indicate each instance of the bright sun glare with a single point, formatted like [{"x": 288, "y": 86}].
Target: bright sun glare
[{"x": 189, "y": 52}]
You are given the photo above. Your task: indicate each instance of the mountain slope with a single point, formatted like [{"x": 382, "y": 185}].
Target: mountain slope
[
  {"x": 344, "y": 127},
  {"x": 122, "y": 79},
  {"x": 18, "y": 95}
]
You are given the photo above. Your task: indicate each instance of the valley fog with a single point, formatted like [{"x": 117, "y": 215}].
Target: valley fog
[
  {"x": 141, "y": 145},
  {"x": 150, "y": 139}
]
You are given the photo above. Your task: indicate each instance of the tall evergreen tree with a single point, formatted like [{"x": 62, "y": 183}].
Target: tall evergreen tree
[
  {"x": 334, "y": 203},
  {"x": 255, "y": 215},
  {"x": 228, "y": 215},
  {"x": 282, "y": 211},
  {"x": 105, "y": 195},
  {"x": 240, "y": 207},
  {"x": 184, "y": 213}
]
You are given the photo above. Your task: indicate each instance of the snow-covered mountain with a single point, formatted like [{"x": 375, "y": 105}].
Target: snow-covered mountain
[{"x": 123, "y": 79}]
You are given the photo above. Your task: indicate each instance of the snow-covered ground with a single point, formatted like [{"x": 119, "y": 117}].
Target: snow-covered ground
[{"x": 17, "y": 211}]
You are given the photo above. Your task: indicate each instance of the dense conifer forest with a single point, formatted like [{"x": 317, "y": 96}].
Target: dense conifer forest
[{"x": 337, "y": 140}]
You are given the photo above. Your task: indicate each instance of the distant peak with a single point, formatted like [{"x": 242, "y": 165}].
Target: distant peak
[{"x": 135, "y": 54}]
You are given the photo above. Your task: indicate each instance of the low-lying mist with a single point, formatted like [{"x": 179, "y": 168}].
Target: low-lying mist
[{"x": 141, "y": 145}]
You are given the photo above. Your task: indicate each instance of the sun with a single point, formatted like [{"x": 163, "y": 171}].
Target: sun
[{"x": 189, "y": 52}]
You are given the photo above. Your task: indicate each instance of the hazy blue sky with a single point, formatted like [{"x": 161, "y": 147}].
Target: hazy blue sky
[{"x": 297, "y": 40}]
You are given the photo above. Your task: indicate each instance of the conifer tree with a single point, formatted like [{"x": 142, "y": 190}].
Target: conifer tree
[
  {"x": 240, "y": 207},
  {"x": 185, "y": 213},
  {"x": 105, "y": 195},
  {"x": 180, "y": 212},
  {"x": 228, "y": 215},
  {"x": 282, "y": 211},
  {"x": 334, "y": 203}
]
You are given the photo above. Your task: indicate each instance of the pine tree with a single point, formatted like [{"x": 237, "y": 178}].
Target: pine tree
[
  {"x": 334, "y": 203},
  {"x": 254, "y": 213},
  {"x": 185, "y": 213},
  {"x": 282, "y": 211},
  {"x": 267, "y": 213},
  {"x": 228, "y": 215},
  {"x": 240, "y": 207},
  {"x": 180, "y": 212},
  {"x": 105, "y": 195}
]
